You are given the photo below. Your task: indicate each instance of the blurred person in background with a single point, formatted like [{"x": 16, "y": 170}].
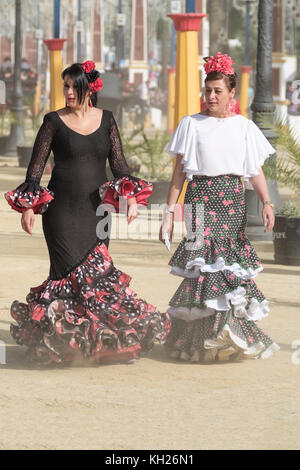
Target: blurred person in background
[
  {"x": 8, "y": 78},
  {"x": 6, "y": 65}
]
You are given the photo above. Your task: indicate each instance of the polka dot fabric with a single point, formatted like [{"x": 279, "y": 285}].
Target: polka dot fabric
[
  {"x": 29, "y": 196},
  {"x": 91, "y": 313},
  {"x": 125, "y": 187},
  {"x": 212, "y": 334},
  {"x": 215, "y": 268}
]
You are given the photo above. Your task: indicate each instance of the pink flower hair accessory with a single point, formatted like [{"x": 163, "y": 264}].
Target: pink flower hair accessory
[{"x": 219, "y": 63}]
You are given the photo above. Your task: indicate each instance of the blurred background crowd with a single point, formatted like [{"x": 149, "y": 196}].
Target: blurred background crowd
[{"x": 133, "y": 43}]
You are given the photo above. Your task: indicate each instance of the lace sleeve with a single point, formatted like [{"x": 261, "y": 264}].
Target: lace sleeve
[
  {"x": 30, "y": 195},
  {"x": 123, "y": 186},
  {"x": 117, "y": 161},
  {"x": 41, "y": 151}
]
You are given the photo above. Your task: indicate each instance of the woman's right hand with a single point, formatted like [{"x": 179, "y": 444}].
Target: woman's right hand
[
  {"x": 27, "y": 221},
  {"x": 167, "y": 226}
]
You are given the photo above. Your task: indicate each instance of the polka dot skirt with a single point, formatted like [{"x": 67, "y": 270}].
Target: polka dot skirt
[
  {"x": 91, "y": 313},
  {"x": 215, "y": 259}
]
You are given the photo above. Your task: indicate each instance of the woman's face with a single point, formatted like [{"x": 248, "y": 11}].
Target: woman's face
[
  {"x": 70, "y": 94},
  {"x": 217, "y": 95}
]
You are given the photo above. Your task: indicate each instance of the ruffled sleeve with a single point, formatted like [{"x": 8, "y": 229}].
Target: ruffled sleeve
[
  {"x": 124, "y": 185},
  {"x": 183, "y": 143},
  {"x": 30, "y": 195},
  {"x": 258, "y": 149}
]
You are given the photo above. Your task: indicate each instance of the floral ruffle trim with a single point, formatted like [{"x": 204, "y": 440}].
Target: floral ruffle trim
[
  {"x": 90, "y": 313},
  {"x": 250, "y": 310},
  {"x": 227, "y": 338},
  {"x": 125, "y": 187},
  {"x": 234, "y": 254},
  {"x": 217, "y": 337},
  {"x": 29, "y": 196},
  {"x": 197, "y": 266},
  {"x": 98, "y": 263}
]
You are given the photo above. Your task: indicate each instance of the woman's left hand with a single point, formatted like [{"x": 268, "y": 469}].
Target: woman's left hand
[
  {"x": 268, "y": 217},
  {"x": 132, "y": 210}
]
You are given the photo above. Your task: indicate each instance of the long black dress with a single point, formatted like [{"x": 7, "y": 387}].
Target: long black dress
[{"x": 86, "y": 304}]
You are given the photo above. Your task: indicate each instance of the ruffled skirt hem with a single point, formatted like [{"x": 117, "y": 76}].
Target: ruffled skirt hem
[
  {"x": 216, "y": 335},
  {"x": 91, "y": 313}
]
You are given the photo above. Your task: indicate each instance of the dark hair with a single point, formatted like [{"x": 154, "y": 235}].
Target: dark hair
[
  {"x": 81, "y": 81},
  {"x": 230, "y": 80}
]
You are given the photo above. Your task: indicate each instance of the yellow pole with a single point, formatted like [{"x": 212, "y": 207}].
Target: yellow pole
[
  {"x": 171, "y": 99},
  {"x": 245, "y": 69},
  {"x": 56, "y": 66},
  {"x": 187, "y": 89},
  {"x": 37, "y": 96}
]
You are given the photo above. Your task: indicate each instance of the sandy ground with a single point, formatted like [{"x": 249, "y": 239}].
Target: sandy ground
[{"x": 155, "y": 403}]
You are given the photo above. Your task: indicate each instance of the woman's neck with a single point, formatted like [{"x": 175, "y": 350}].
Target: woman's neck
[
  {"x": 217, "y": 114},
  {"x": 80, "y": 113}
]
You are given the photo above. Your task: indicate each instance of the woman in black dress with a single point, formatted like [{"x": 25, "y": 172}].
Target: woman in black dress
[{"x": 85, "y": 306}]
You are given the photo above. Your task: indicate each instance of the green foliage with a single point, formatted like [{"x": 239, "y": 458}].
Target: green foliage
[
  {"x": 147, "y": 154},
  {"x": 287, "y": 170},
  {"x": 7, "y": 119},
  {"x": 289, "y": 209},
  {"x": 153, "y": 156},
  {"x": 131, "y": 143},
  {"x": 36, "y": 119}
]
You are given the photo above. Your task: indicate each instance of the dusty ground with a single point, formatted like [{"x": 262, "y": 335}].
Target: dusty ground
[{"x": 156, "y": 403}]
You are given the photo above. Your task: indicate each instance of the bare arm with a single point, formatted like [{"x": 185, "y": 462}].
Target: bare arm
[
  {"x": 175, "y": 189},
  {"x": 176, "y": 184},
  {"x": 260, "y": 187}
]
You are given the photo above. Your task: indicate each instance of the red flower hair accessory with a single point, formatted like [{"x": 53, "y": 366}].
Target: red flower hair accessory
[
  {"x": 88, "y": 66},
  {"x": 95, "y": 82},
  {"x": 97, "y": 85},
  {"x": 219, "y": 63}
]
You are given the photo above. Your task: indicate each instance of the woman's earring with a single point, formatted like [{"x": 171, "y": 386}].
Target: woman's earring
[{"x": 90, "y": 102}]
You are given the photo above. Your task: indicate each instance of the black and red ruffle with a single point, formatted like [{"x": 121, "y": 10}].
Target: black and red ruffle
[
  {"x": 90, "y": 313},
  {"x": 29, "y": 196},
  {"x": 125, "y": 187}
]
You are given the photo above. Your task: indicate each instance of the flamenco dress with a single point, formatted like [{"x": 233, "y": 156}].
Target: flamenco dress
[
  {"x": 85, "y": 308},
  {"x": 218, "y": 304}
]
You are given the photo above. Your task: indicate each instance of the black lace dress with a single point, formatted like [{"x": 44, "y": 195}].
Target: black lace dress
[{"x": 85, "y": 306}]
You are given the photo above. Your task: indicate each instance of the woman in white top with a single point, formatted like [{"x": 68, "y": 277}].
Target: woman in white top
[{"x": 218, "y": 303}]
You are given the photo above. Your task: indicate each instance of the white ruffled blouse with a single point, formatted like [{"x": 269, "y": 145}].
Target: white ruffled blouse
[{"x": 219, "y": 146}]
